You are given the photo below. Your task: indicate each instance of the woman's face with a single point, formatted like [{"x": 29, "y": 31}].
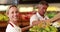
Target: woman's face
[{"x": 13, "y": 14}]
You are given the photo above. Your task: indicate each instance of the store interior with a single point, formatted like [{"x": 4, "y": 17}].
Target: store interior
[{"x": 26, "y": 8}]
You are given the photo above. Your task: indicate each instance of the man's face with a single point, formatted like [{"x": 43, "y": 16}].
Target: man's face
[
  {"x": 42, "y": 9},
  {"x": 13, "y": 14}
]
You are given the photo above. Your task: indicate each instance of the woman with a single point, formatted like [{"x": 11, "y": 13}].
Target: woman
[{"x": 13, "y": 25}]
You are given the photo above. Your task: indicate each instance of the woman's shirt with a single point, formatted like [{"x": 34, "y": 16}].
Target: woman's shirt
[{"x": 13, "y": 28}]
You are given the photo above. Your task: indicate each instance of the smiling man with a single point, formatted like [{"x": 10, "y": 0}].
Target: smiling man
[{"x": 42, "y": 7}]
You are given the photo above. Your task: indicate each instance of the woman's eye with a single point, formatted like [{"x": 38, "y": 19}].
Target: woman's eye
[{"x": 16, "y": 12}]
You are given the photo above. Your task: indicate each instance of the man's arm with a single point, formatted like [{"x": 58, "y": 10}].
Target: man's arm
[
  {"x": 56, "y": 17},
  {"x": 26, "y": 28}
]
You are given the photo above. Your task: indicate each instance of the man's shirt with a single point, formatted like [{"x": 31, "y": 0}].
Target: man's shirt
[{"x": 37, "y": 17}]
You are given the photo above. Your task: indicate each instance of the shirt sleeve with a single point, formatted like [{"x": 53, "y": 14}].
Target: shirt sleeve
[{"x": 33, "y": 18}]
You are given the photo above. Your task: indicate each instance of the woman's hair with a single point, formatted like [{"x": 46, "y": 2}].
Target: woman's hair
[{"x": 10, "y": 7}]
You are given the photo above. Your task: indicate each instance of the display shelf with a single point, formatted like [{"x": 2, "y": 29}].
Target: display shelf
[{"x": 3, "y": 23}]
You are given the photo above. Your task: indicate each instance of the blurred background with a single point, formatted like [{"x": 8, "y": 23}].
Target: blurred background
[{"x": 26, "y": 8}]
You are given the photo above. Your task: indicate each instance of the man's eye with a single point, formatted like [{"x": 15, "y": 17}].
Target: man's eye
[{"x": 12, "y": 12}]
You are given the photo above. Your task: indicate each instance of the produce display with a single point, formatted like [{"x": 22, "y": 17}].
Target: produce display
[
  {"x": 46, "y": 29},
  {"x": 46, "y": 26},
  {"x": 3, "y": 17},
  {"x": 43, "y": 27},
  {"x": 51, "y": 14}
]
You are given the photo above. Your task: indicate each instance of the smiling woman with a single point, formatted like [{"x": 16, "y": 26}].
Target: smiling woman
[{"x": 13, "y": 25}]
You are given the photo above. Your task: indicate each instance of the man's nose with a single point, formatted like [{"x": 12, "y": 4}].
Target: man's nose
[{"x": 44, "y": 10}]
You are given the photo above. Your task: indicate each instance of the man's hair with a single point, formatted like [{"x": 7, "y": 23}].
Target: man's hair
[{"x": 43, "y": 3}]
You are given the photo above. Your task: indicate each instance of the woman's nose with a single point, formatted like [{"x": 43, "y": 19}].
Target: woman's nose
[{"x": 15, "y": 14}]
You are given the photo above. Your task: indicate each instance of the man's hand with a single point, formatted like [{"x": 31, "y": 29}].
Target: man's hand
[
  {"x": 39, "y": 23},
  {"x": 35, "y": 23}
]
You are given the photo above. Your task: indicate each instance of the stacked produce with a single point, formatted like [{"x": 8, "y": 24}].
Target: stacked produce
[
  {"x": 3, "y": 17},
  {"x": 51, "y": 14},
  {"x": 46, "y": 29},
  {"x": 43, "y": 28}
]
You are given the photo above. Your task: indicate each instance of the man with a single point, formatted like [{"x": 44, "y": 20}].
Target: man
[
  {"x": 34, "y": 20},
  {"x": 42, "y": 6}
]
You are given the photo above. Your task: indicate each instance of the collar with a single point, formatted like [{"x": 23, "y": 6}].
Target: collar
[
  {"x": 38, "y": 15},
  {"x": 13, "y": 25}
]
